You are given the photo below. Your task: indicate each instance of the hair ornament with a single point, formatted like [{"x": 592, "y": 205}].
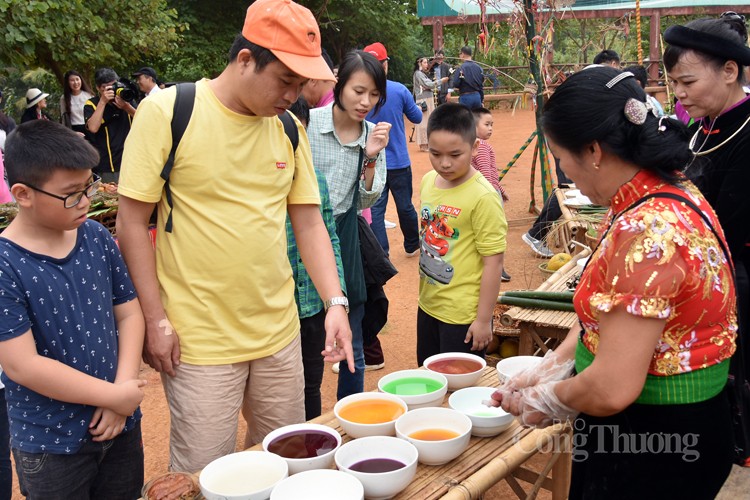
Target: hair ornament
[
  {"x": 620, "y": 77},
  {"x": 662, "y": 125},
  {"x": 636, "y": 111}
]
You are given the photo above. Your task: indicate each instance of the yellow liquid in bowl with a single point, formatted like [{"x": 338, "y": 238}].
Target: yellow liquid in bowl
[
  {"x": 433, "y": 434},
  {"x": 371, "y": 411}
]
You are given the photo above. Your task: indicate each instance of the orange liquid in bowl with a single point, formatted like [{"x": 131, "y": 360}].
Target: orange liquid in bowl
[
  {"x": 371, "y": 411},
  {"x": 433, "y": 434}
]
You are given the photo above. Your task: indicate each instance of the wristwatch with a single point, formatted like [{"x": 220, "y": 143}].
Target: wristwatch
[{"x": 337, "y": 301}]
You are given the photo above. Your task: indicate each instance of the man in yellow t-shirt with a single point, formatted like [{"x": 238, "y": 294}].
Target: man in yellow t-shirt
[{"x": 217, "y": 295}]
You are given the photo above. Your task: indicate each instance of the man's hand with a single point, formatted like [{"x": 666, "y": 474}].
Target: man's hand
[
  {"x": 162, "y": 347},
  {"x": 107, "y": 96},
  {"x": 378, "y": 139},
  {"x": 106, "y": 424},
  {"x": 480, "y": 334},
  {"x": 338, "y": 337}
]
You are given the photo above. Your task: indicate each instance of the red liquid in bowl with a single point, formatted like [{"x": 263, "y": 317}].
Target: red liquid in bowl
[
  {"x": 377, "y": 465},
  {"x": 455, "y": 366},
  {"x": 302, "y": 444}
]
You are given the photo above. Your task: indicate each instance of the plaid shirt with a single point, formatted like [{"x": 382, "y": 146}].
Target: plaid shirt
[
  {"x": 340, "y": 162},
  {"x": 306, "y": 296}
]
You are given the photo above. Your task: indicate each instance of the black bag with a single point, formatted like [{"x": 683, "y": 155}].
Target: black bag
[{"x": 375, "y": 263}]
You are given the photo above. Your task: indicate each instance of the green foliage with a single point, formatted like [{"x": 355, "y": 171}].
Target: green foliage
[{"x": 74, "y": 34}]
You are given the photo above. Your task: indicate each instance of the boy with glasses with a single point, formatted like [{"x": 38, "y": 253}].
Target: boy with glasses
[{"x": 72, "y": 333}]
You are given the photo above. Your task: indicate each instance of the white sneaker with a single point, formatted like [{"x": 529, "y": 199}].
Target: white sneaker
[
  {"x": 537, "y": 246},
  {"x": 389, "y": 224}
]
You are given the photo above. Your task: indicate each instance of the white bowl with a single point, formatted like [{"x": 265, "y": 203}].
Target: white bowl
[
  {"x": 320, "y": 484},
  {"x": 485, "y": 421},
  {"x": 379, "y": 485},
  {"x": 435, "y": 452},
  {"x": 359, "y": 429},
  {"x": 434, "y": 398},
  {"x": 458, "y": 380},
  {"x": 296, "y": 465},
  {"x": 509, "y": 367},
  {"x": 247, "y": 475}
]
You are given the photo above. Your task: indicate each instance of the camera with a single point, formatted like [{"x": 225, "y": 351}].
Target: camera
[{"x": 125, "y": 89}]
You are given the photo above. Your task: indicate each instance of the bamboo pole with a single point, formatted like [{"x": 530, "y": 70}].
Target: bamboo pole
[{"x": 499, "y": 468}]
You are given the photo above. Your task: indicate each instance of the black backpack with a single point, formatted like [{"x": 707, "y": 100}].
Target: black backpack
[{"x": 183, "y": 109}]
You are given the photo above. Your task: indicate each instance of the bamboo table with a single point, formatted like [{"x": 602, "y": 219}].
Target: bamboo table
[
  {"x": 489, "y": 460},
  {"x": 538, "y": 328}
]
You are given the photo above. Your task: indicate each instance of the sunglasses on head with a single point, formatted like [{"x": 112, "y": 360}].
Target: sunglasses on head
[{"x": 730, "y": 14}]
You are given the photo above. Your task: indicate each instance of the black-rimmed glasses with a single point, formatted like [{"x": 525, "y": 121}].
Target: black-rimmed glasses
[{"x": 73, "y": 199}]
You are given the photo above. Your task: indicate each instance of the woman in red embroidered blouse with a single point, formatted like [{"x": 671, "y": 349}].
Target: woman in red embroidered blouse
[{"x": 656, "y": 303}]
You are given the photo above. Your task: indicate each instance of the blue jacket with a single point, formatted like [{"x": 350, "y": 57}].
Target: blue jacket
[{"x": 398, "y": 102}]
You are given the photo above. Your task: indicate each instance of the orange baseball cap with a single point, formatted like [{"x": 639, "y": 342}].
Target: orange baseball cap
[{"x": 291, "y": 32}]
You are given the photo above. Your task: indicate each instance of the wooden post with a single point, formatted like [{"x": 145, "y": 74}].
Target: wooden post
[
  {"x": 654, "y": 53},
  {"x": 437, "y": 35}
]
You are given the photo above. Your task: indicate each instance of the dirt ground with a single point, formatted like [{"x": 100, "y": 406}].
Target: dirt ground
[{"x": 398, "y": 338}]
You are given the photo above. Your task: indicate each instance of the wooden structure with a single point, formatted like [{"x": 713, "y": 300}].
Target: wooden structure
[
  {"x": 542, "y": 329},
  {"x": 490, "y": 460},
  {"x": 438, "y": 15}
]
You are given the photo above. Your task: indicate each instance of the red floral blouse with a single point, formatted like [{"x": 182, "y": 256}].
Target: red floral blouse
[{"x": 660, "y": 260}]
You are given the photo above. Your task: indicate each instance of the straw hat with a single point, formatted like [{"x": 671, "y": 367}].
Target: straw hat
[{"x": 33, "y": 96}]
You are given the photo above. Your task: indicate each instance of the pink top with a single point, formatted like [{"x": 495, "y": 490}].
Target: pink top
[
  {"x": 5, "y": 196},
  {"x": 326, "y": 99},
  {"x": 484, "y": 162}
]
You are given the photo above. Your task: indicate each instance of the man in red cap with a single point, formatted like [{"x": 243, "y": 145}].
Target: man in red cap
[{"x": 217, "y": 295}]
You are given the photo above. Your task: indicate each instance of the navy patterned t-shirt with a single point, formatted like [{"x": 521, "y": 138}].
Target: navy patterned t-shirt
[{"x": 68, "y": 304}]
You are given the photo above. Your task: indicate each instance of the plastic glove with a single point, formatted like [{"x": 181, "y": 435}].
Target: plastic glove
[
  {"x": 552, "y": 368},
  {"x": 538, "y": 406}
]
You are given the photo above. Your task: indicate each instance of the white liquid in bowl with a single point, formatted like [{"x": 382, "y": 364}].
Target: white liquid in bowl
[{"x": 236, "y": 479}]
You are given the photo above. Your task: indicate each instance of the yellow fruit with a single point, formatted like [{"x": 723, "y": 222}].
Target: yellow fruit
[
  {"x": 494, "y": 344},
  {"x": 557, "y": 261},
  {"x": 509, "y": 348}
]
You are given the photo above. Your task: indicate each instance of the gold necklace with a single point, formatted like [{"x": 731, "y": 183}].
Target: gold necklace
[{"x": 695, "y": 137}]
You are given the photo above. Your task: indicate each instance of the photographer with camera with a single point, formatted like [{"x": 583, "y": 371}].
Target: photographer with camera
[{"x": 108, "y": 118}]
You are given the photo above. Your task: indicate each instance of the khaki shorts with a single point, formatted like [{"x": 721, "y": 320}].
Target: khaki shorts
[{"x": 204, "y": 403}]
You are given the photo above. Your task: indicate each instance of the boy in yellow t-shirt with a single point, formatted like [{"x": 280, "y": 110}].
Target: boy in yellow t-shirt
[{"x": 461, "y": 251}]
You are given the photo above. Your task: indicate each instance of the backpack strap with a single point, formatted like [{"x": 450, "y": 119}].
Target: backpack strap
[
  {"x": 183, "y": 108},
  {"x": 290, "y": 129}
]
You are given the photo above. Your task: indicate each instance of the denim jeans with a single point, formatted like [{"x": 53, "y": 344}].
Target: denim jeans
[
  {"x": 471, "y": 101},
  {"x": 6, "y": 476},
  {"x": 111, "y": 469},
  {"x": 352, "y": 383},
  {"x": 313, "y": 336},
  {"x": 399, "y": 182}
]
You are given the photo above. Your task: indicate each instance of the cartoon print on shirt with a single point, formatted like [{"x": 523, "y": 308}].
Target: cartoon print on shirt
[{"x": 435, "y": 234}]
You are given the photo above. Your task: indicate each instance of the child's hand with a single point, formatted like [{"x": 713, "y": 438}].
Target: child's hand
[
  {"x": 106, "y": 424},
  {"x": 480, "y": 333},
  {"x": 129, "y": 395}
]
